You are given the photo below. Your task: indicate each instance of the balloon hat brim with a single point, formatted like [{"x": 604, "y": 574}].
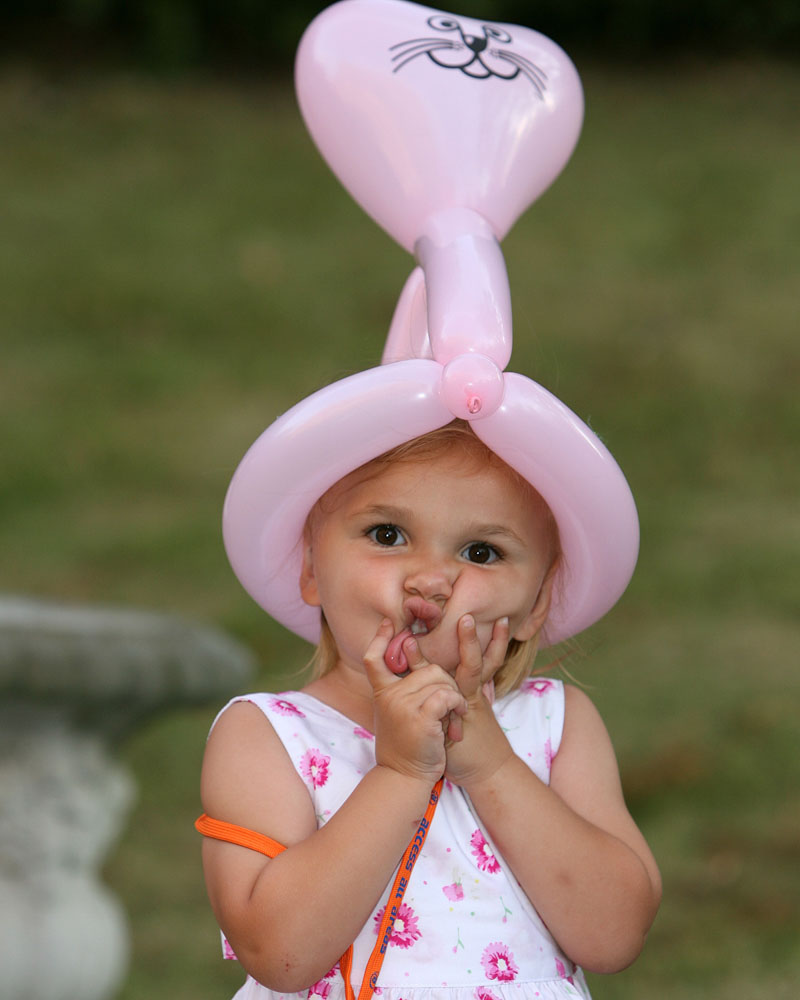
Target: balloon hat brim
[
  {"x": 343, "y": 426},
  {"x": 445, "y": 143}
]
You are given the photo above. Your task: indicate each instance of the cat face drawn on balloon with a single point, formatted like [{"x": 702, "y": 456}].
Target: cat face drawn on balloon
[{"x": 480, "y": 56}]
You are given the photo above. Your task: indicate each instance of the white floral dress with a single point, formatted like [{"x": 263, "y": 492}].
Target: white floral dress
[{"x": 465, "y": 930}]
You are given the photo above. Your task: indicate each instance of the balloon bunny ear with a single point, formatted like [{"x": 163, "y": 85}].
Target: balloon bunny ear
[
  {"x": 417, "y": 112},
  {"x": 444, "y": 129}
]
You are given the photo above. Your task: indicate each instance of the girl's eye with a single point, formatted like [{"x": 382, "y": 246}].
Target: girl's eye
[
  {"x": 480, "y": 552},
  {"x": 386, "y": 534}
]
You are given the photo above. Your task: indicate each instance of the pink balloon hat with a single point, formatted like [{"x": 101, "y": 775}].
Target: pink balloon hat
[{"x": 444, "y": 129}]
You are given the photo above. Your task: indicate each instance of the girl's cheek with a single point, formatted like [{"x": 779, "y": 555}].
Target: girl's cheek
[{"x": 441, "y": 648}]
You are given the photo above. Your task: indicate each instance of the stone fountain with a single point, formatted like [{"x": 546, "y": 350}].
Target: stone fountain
[{"x": 74, "y": 682}]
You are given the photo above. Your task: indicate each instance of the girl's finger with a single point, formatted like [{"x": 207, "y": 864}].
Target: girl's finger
[
  {"x": 495, "y": 655},
  {"x": 414, "y": 656},
  {"x": 442, "y": 701},
  {"x": 454, "y": 729},
  {"x": 470, "y": 666},
  {"x": 378, "y": 674}
]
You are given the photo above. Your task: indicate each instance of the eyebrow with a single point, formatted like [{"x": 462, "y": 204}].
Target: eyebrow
[
  {"x": 383, "y": 512},
  {"x": 495, "y": 531}
]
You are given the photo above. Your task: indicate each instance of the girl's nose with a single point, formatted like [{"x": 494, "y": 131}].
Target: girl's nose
[{"x": 432, "y": 581}]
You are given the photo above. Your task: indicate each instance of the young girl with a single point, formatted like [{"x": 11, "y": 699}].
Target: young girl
[{"x": 434, "y": 568}]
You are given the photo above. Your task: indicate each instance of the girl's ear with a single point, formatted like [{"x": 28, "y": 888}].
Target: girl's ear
[
  {"x": 308, "y": 582},
  {"x": 537, "y": 616}
]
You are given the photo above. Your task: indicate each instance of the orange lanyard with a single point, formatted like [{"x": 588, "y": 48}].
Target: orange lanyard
[
  {"x": 240, "y": 835},
  {"x": 409, "y": 859}
]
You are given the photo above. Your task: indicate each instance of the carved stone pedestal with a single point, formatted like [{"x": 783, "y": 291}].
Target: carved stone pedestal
[{"x": 73, "y": 683}]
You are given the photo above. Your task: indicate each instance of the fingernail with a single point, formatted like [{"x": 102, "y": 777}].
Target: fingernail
[
  {"x": 410, "y": 646},
  {"x": 469, "y": 621}
]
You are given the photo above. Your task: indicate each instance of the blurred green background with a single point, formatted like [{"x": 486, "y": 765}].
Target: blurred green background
[{"x": 177, "y": 267}]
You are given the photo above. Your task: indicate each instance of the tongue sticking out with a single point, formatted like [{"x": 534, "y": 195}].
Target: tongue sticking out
[{"x": 394, "y": 657}]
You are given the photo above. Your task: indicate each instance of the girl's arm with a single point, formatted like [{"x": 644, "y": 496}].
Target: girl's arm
[
  {"x": 573, "y": 845},
  {"x": 290, "y": 918}
]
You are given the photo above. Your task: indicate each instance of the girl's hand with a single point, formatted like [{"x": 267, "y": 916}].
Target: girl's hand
[
  {"x": 411, "y": 712},
  {"x": 476, "y": 744}
]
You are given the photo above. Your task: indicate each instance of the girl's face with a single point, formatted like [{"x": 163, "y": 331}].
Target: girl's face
[{"x": 422, "y": 543}]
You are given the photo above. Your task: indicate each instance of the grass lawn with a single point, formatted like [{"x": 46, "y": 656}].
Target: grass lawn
[{"x": 177, "y": 267}]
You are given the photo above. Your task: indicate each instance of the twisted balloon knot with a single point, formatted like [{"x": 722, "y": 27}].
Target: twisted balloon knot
[{"x": 472, "y": 386}]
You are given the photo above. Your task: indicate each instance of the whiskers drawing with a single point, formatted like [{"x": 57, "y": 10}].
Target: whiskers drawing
[{"x": 479, "y": 56}]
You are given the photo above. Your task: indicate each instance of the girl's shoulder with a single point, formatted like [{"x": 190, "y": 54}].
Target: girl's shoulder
[
  {"x": 249, "y": 779},
  {"x": 297, "y": 712},
  {"x": 266, "y": 702},
  {"x": 327, "y": 751}
]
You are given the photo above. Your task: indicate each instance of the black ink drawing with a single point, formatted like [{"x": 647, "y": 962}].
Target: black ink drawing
[{"x": 479, "y": 56}]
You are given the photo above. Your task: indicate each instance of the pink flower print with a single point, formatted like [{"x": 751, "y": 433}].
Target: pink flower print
[
  {"x": 537, "y": 686},
  {"x": 498, "y": 962},
  {"x": 283, "y": 707},
  {"x": 405, "y": 930},
  {"x": 484, "y": 993},
  {"x": 320, "y": 989},
  {"x": 548, "y": 754},
  {"x": 227, "y": 951},
  {"x": 453, "y": 892},
  {"x": 562, "y": 972},
  {"x": 362, "y": 733},
  {"x": 314, "y": 767},
  {"x": 483, "y": 854}
]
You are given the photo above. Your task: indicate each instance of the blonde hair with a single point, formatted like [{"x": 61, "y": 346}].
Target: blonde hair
[{"x": 456, "y": 438}]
